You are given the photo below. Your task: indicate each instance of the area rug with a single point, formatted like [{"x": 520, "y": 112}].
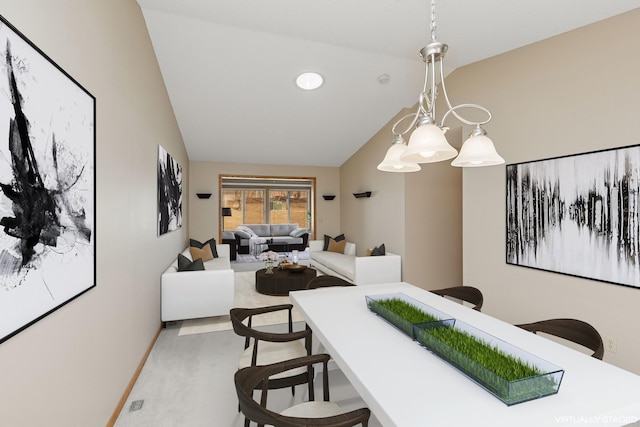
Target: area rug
[{"x": 245, "y": 295}]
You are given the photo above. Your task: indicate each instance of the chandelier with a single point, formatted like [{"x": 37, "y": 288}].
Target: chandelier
[{"x": 427, "y": 143}]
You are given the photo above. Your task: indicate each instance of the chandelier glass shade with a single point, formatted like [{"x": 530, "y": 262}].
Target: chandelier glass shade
[
  {"x": 477, "y": 151},
  {"x": 392, "y": 162},
  {"x": 427, "y": 143}
]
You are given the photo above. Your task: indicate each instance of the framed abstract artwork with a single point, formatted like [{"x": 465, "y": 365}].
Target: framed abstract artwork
[
  {"x": 169, "y": 193},
  {"x": 47, "y": 185},
  {"x": 577, "y": 215}
]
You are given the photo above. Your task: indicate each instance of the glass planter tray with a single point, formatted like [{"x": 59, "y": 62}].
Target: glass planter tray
[
  {"x": 544, "y": 382},
  {"x": 399, "y": 322}
]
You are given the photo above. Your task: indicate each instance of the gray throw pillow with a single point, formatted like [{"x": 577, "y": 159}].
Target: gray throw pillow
[
  {"x": 298, "y": 232},
  {"x": 185, "y": 264},
  {"x": 244, "y": 232}
]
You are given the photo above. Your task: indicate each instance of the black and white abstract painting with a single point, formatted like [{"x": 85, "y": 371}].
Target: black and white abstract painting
[
  {"x": 169, "y": 193},
  {"x": 47, "y": 185},
  {"x": 577, "y": 215}
]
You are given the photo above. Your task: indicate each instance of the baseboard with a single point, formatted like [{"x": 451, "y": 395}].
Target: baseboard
[{"x": 132, "y": 382}]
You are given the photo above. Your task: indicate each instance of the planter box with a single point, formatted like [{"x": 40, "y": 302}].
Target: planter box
[
  {"x": 400, "y": 323},
  {"x": 535, "y": 377},
  {"x": 545, "y": 383}
]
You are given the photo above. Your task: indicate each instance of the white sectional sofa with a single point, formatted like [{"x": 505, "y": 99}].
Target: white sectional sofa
[
  {"x": 359, "y": 270},
  {"x": 195, "y": 294}
]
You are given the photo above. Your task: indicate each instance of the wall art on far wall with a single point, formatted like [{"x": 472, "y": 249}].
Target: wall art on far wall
[
  {"x": 577, "y": 215},
  {"x": 47, "y": 185},
  {"x": 169, "y": 193}
]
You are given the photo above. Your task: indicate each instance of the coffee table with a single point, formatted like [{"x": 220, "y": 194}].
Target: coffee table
[
  {"x": 278, "y": 246},
  {"x": 282, "y": 281}
]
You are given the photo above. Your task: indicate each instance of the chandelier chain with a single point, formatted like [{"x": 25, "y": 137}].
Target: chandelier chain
[{"x": 433, "y": 20}]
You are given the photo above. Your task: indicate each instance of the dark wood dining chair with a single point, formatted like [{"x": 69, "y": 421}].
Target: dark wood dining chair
[
  {"x": 307, "y": 414},
  {"x": 573, "y": 330},
  {"x": 263, "y": 348},
  {"x": 464, "y": 293},
  {"x": 326, "y": 281}
]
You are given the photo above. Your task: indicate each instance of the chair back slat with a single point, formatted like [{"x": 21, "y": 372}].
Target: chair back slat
[
  {"x": 465, "y": 293},
  {"x": 574, "y": 330}
]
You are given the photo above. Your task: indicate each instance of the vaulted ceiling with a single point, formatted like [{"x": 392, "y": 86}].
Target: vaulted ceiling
[{"x": 229, "y": 65}]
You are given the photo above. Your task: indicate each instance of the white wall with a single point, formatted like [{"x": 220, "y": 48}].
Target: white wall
[
  {"x": 71, "y": 368},
  {"x": 369, "y": 222},
  {"x": 574, "y": 93},
  {"x": 416, "y": 215}
]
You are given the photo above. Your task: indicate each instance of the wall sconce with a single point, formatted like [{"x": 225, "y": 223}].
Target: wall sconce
[
  {"x": 362, "y": 195},
  {"x": 203, "y": 195},
  {"x": 328, "y": 196}
]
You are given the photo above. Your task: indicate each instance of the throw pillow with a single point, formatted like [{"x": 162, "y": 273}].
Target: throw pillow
[
  {"x": 244, "y": 232},
  {"x": 328, "y": 238},
  {"x": 337, "y": 246},
  {"x": 185, "y": 264},
  {"x": 369, "y": 252},
  {"x": 211, "y": 242},
  {"x": 203, "y": 253},
  {"x": 379, "y": 251},
  {"x": 298, "y": 232}
]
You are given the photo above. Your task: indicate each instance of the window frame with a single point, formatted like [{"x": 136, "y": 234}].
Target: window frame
[{"x": 267, "y": 184}]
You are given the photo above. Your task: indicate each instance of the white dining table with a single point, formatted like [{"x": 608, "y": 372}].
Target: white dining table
[{"x": 405, "y": 385}]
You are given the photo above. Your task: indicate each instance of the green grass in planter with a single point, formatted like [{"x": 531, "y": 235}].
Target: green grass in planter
[
  {"x": 407, "y": 311},
  {"x": 500, "y": 363},
  {"x": 508, "y": 377},
  {"x": 498, "y": 371},
  {"x": 400, "y": 313}
]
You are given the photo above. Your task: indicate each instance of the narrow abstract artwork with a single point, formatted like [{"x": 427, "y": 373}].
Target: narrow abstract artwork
[
  {"x": 577, "y": 215},
  {"x": 47, "y": 185},
  {"x": 169, "y": 193}
]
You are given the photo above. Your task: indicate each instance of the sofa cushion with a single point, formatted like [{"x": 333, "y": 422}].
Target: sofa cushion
[
  {"x": 282, "y": 229},
  {"x": 262, "y": 230},
  {"x": 203, "y": 253},
  {"x": 328, "y": 238},
  {"x": 211, "y": 242},
  {"x": 185, "y": 264},
  {"x": 217, "y": 264},
  {"x": 341, "y": 264},
  {"x": 298, "y": 232},
  {"x": 336, "y": 246}
]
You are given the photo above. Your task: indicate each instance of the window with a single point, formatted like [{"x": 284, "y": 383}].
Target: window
[{"x": 267, "y": 201}]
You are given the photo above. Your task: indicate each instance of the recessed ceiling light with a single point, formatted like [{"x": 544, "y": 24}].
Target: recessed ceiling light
[{"x": 309, "y": 81}]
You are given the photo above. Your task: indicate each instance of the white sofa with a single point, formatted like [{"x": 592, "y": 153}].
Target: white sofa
[
  {"x": 359, "y": 270},
  {"x": 195, "y": 294}
]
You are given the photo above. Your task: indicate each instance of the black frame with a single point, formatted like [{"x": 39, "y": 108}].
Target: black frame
[
  {"x": 577, "y": 215},
  {"x": 48, "y": 185}
]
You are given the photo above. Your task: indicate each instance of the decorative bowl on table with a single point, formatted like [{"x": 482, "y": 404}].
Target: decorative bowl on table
[
  {"x": 296, "y": 268},
  {"x": 284, "y": 265}
]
